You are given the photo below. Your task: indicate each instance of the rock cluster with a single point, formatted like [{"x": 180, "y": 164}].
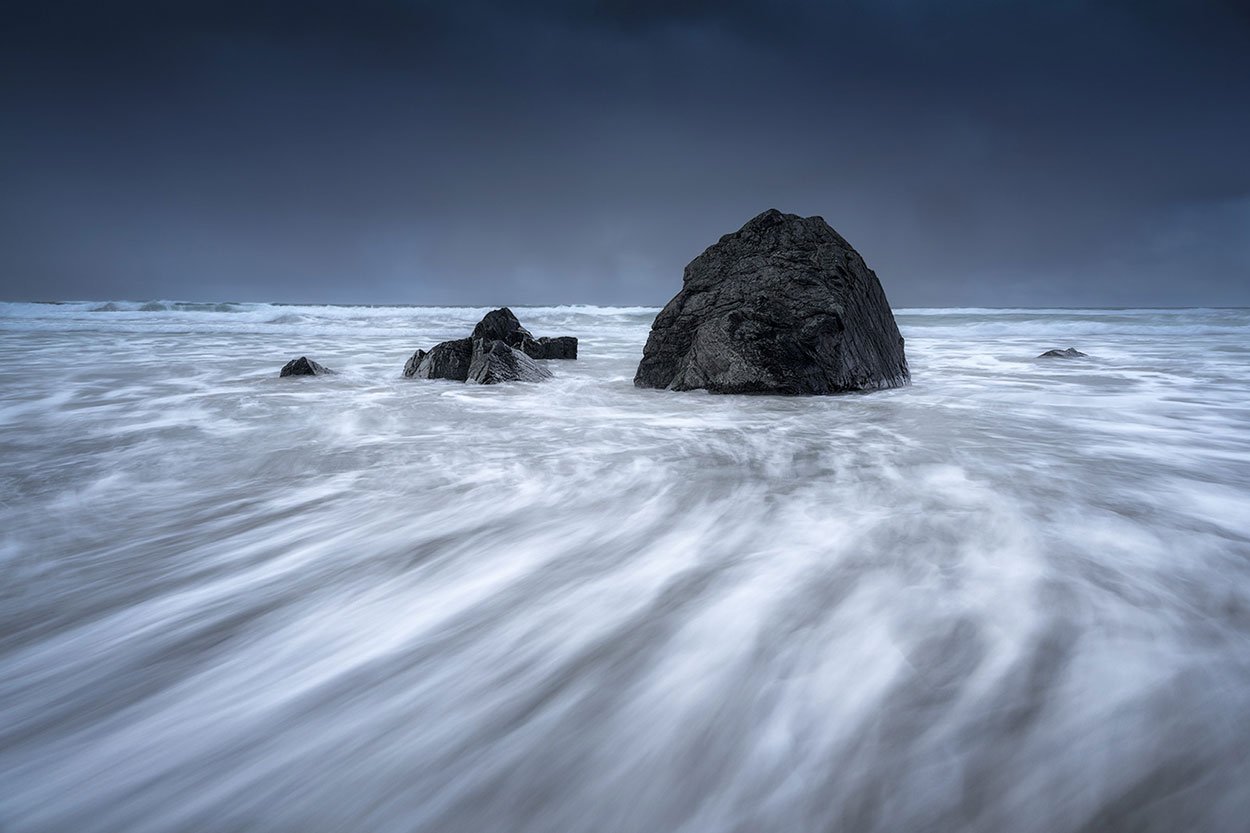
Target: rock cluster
[
  {"x": 784, "y": 305},
  {"x": 304, "y": 366},
  {"x": 1070, "y": 353},
  {"x": 499, "y": 350}
]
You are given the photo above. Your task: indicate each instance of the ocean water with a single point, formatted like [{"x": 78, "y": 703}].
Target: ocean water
[{"x": 1014, "y": 596}]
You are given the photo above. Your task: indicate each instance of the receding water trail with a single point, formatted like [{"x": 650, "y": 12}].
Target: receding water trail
[{"x": 1014, "y": 596}]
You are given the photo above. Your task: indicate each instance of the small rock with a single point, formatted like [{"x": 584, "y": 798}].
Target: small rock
[
  {"x": 304, "y": 366},
  {"x": 495, "y": 362},
  {"x": 1070, "y": 353}
]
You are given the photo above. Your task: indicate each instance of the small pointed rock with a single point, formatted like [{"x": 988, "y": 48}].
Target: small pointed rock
[{"x": 304, "y": 366}]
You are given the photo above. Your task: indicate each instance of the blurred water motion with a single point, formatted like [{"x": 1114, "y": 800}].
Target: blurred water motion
[{"x": 1013, "y": 597}]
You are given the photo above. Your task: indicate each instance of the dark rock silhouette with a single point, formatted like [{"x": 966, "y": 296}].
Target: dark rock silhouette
[
  {"x": 457, "y": 359},
  {"x": 784, "y": 305},
  {"x": 1070, "y": 353},
  {"x": 304, "y": 366},
  {"x": 495, "y": 362},
  {"x": 446, "y": 360}
]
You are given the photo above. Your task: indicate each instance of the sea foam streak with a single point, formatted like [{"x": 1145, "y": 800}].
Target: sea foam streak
[{"x": 1014, "y": 596}]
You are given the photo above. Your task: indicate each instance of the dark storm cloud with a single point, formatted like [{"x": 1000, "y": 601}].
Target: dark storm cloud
[{"x": 977, "y": 153}]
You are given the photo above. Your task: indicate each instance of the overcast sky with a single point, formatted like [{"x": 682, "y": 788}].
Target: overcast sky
[{"x": 975, "y": 152}]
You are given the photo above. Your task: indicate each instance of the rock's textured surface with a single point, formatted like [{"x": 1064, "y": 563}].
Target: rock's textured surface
[
  {"x": 783, "y": 305},
  {"x": 303, "y": 366},
  {"x": 502, "y": 325},
  {"x": 1070, "y": 353},
  {"x": 560, "y": 347},
  {"x": 495, "y": 362},
  {"x": 447, "y": 360}
]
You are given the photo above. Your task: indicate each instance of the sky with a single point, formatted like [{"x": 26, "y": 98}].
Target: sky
[{"x": 975, "y": 153}]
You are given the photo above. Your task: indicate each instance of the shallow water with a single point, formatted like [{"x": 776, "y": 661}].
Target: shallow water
[{"x": 1014, "y": 596}]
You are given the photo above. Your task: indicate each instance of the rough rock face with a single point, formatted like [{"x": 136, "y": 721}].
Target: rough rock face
[
  {"x": 502, "y": 325},
  {"x": 304, "y": 366},
  {"x": 1070, "y": 353},
  {"x": 495, "y": 362},
  {"x": 414, "y": 362},
  {"x": 783, "y": 305},
  {"x": 447, "y": 360}
]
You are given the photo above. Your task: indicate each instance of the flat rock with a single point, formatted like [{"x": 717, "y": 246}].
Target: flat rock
[
  {"x": 304, "y": 366},
  {"x": 495, "y": 362},
  {"x": 559, "y": 347},
  {"x": 1070, "y": 353},
  {"x": 784, "y": 305},
  {"x": 446, "y": 360}
]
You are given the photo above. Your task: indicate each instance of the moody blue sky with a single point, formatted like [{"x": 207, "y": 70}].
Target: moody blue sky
[{"x": 976, "y": 153}]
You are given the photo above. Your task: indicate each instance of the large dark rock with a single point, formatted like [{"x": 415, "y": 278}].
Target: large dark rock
[
  {"x": 495, "y": 362},
  {"x": 783, "y": 305},
  {"x": 304, "y": 366},
  {"x": 448, "y": 360},
  {"x": 502, "y": 325},
  {"x": 1070, "y": 353}
]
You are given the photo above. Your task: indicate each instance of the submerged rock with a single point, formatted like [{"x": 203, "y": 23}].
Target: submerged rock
[
  {"x": 783, "y": 305},
  {"x": 495, "y": 362},
  {"x": 1070, "y": 353},
  {"x": 447, "y": 360},
  {"x": 304, "y": 366}
]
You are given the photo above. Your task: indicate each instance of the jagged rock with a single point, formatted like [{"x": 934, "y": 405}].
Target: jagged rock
[
  {"x": 447, "y": 360},
  {"x": 304, "y": 366},
  {"x": 414, "y": 362},
  {"x": 783, "y": 305},
  {"x": 494, "y": 362},
  {"x": 1070, "y": 353},
  {"x": 456, "y": 359},
  {"x": 502, "y": 325}
]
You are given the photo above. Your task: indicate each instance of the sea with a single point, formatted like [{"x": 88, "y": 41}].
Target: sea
[{"x": 1013, "y": 596}]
